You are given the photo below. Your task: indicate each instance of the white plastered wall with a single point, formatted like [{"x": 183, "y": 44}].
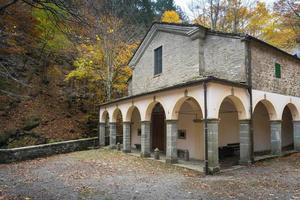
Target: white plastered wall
[
  {"x": 228, "y": 125},
  {"x": 261, "y": 129},
  {"x": 194, "y": 141}
]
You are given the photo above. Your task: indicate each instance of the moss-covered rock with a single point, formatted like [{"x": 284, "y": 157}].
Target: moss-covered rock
[
  {"x": 31, "y": 123},
  {"x": 6, "y": 135}
]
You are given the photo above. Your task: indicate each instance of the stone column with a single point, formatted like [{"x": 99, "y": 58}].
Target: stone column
[
  {"x": 275, "y": 137},
  {"x": 213, "y": 145},
  {"x": 101, "y": 134},
  {"x": 245, "y": 142},
  {"x": 145, "y": 139},
  {"x": 297, "y": 135},
  {"x": 126, "y": 137},
  {"x": 171, "y": 153},
  {"x": 112, "y": 135}
]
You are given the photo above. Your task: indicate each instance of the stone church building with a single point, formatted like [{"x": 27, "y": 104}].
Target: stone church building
[{"x": 206, "y": 95}]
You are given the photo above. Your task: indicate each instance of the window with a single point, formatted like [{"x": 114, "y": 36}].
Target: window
[
  {"x": 277, "y": 70},
  {"x": 181, "y": 134},
  {"x": 158, "y": 60}
]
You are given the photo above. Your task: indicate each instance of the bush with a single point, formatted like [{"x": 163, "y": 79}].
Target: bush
[{"x": 31, "y": 123}]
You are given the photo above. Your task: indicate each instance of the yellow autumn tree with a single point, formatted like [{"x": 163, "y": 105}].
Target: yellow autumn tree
[
  {"x": 270, "y": 27},
  {"x": 170, "y": 16},
  {"x": 101, "y": 65}
]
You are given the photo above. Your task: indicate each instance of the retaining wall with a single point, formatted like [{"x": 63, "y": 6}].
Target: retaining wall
[{"x": 30, "y": 152}]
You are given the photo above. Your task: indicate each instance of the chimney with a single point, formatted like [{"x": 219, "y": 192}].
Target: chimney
[{"x": 296, "y": 51}]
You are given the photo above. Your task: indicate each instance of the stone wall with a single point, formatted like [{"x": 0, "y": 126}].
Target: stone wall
[
  {"x": 180, "y": 63},
  {"x": 225, "y": 57},
  {"x": 263, "y": 70},
  {"x": 30, "y": 152}
]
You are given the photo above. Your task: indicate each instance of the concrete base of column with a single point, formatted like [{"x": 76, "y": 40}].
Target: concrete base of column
[
  {"x": 126, "y": 137},
  {"x": 245, "y": 143},
  {"x": 145, "y": 139},
  {"x": 112, "y": 135},
  {"x": 297, "y": 135},
  {"x": 101, "y": 134},
  {"x": 213, "y": 149},
  {"x": 171, "y": 154},
  {"x": 213, "y": 170},
  {"x": 276, "y": 137}
]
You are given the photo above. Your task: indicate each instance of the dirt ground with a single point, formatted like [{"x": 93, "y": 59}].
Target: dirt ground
[{"x": 105, "y": 174}]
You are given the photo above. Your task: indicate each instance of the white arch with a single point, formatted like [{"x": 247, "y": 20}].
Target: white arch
[
  {"x": 115, "y": 115},
  {"x": 195, "y": 105},
  {"x": 238, "y": 104},
  {"x": 150, "y": 109},
  {"x": 270, "y": 108},
  {"x": 293, "y": 109},
  {"x": 103, "y": 116},
  {"x": 129, "y": 112}
]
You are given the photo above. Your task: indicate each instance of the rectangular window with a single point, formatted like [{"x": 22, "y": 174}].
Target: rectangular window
[
  {"x": 277, "y": 70},
  {"x": 158, "y": 60}
]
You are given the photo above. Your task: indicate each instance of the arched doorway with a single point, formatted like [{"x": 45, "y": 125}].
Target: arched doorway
[
  {"x": 158, "y": 128},
  {"x": 287, "y": 136},
  {"x": 261, "y": 130},
  {"x": 135, "y": 137},
  {"x": 190, "y": 130},
  {"x": 229, "y": 134}
]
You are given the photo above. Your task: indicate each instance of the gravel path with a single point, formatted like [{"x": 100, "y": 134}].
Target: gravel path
[{"x": 105, "y": 174}]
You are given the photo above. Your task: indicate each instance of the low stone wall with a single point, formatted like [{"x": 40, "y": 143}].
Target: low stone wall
[{"x": 30, "y": 152}]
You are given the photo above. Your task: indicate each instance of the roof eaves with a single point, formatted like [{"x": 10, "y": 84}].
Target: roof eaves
[{"x": 185, "y": 84}]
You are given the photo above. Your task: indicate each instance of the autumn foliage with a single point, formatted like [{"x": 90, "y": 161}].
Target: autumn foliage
[{"x": 170, "y": 16}]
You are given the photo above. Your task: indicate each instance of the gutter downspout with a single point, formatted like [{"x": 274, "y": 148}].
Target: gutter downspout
[
  {"x": 249, "y": 81},
  {"x": 205, "y": 128}
]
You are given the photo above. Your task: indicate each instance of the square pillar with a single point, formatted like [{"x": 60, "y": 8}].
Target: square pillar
[
  {"x": 126, "y": 137},
  {"x": 296, "y": 135},
  {"x": 245, "y": 142},
  {"x": 145, "y": 139},
  {"x": 171, "y": 153},
  {"x": 275, "y": 137},
  {"x": 112, "y": 135},
  {"x": 101, "y": 134},
  {"x": 213, "y": 145}
]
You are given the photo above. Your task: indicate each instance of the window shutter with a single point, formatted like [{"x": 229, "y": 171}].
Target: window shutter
[{"x": 277, "y": 70}]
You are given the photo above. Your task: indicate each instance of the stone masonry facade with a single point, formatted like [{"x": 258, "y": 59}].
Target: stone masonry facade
[
  {"x": 186, "y": 59},
  {"x": 263, "y": 70}
]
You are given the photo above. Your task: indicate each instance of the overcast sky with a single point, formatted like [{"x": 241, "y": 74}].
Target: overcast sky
[{"x": 184, "y": 4}]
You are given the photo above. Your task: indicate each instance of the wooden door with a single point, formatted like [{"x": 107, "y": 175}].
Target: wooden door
[{"x": 158, "y": 128}]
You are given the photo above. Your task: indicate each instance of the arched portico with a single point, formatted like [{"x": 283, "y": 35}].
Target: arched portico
[
  {"x": 287, "y": 139},
  {"x": 266, "y": 128},
  {"x": 104, "y": 129},
  {"x": 234, "y": 139},
  {"x": 190, "y": 138},
  {"x": 132, "y": 129},
  {"x": 116, "y": 128}
]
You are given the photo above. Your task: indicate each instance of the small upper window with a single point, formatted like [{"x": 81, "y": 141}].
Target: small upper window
[
  {"x": 277, "y": 70},
  {"x": 158, "y": 60}
]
